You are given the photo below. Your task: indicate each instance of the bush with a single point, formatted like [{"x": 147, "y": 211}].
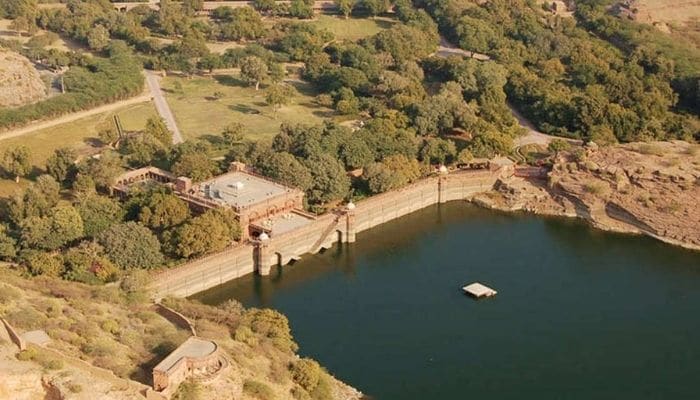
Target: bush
[
  {"x": 306, "y": 373},
  {"x": 188, "y": 390},
  {"x": 258, "y": 390},
  {"x": 110, "y": 326},
  {"x": 272, "y": 325}
]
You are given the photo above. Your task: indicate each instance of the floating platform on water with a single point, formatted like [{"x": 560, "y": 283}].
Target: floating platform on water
[{"x": 478, "y": 290}]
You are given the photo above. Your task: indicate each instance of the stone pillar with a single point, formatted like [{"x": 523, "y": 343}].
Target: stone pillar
[
  {"x": 350, "y": 232},
  {"x": 262, "y": 263},
  {"x": 442, "y": 184}
]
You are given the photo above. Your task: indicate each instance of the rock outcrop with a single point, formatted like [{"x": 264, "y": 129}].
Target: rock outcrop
[
  {"x": 20, "y": 82},
  {"x": 645, "y": 188}
]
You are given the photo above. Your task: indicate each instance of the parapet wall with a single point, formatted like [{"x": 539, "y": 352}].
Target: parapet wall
[
  {"x": 204, "y": 273},
  {"x": 326, "y": 230}
]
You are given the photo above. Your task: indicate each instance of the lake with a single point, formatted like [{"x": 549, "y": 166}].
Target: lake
[{"x": 580, "y": 313}]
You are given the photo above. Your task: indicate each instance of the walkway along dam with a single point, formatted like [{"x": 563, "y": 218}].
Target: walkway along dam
[{"x": 340, "y": 225}]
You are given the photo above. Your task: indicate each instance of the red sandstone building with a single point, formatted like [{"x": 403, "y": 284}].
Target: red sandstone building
[{"x": 260, "y": 204}]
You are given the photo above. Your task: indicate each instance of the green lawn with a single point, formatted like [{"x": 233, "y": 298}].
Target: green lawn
[
  {"x": 352, "y": 28},
  {"x": 77, "y": 134},
  {"x": 198, "y": 114}
]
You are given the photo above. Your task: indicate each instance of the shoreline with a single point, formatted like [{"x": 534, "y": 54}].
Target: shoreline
[{"x": 494, "y": 200}]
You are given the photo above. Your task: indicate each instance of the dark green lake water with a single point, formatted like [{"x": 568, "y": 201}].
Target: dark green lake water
[{"x": 580, "y": 314}]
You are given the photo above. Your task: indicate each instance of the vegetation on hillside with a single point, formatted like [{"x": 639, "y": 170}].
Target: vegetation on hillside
[{"x": 571, "y": 82}]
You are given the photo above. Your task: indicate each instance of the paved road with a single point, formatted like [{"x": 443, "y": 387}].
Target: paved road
[
  {"x": 73, "y": 117},
  {"x": 162, "y": 106}
]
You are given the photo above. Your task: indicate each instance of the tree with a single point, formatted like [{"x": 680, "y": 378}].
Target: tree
[
  {"x": 285, "y": 168},
  {"x": 278, "y": 95},
  {"x": 301, "y": 9},
  {"x": 103, "y": 170},
  {"x": 345, "y": 7},
  {"x": 254, "y": 70},
  {"x": 131, "y": 245},
  {"x": 375, "y": 7},
  {"x": 83, "y": 186},
  {"x": 36, "y": 200},
  {"x": 438, "y": 151},
  {"x": 207, "y": 233},
  {"x": 61, "y": 164},
  {"x": 155, "y": 126},
  {"x": 329, "y": 180},
  {"x": 99, "y": 213},
  {"x": 355, "y": 153},
  {"x": 108, "y": 135},
  {"x": 8, "y": 244},
  {"x": 394, "y": 172},
  {"x": 163, "y": 210},
  {"x": 277, "y": 72},
  {"x": 87, "y": 263},
  {"x": 62, "y": 226},
  {"x": 98, "y": 38},
  {"x": 16, "y": 161},
  {"x": 197, "y": 166},
  {"x": 233, "y": 133}
]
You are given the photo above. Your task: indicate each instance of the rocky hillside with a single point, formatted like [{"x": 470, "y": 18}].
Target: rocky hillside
[
  {"x": 106, "y": 340},
  {"x": 646, "y": 188},
  {"x": 20, "y": 82}
]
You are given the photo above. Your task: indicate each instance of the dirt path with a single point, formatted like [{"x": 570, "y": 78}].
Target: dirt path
[
  {"x": 446, "y": 49},
  {"x": 73, "y": 117},
  {"x": 162, "y": 106}
]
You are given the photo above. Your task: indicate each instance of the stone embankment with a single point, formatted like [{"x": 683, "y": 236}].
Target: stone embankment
[{"x": 640, "y": 188}]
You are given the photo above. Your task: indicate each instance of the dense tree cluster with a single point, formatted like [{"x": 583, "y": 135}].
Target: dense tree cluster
[
  {"x": 64, "y": 224},
  {"x": 569, "y": 82}
]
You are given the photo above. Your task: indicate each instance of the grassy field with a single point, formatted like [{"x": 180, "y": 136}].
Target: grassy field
[
  {"x": 80, "y": 135},
  {"x": 343, "y": 29},
  {"x": 352, "y": 28},
  {"x": 198, "y": 114}
]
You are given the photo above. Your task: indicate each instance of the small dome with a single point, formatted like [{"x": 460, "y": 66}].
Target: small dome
[
  {"x": 350, "y": 205},
  {"x": 442, "y": 169},
  {"x": 263, "y": 237}
]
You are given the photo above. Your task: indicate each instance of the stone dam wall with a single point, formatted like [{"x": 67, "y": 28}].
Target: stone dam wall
[{"x": 324, "y": 231}]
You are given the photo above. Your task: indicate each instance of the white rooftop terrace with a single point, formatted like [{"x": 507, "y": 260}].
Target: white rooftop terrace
[{"x": 240, "y": 189}]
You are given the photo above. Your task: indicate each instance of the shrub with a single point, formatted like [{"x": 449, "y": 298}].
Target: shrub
[
  {"x": 27, "y": 354},
  {"x": 74, "y": 387},
  {"x": 272, "y": 325},
  {"x": 8, "y": 293},
  {"x": 306, "y": 373},
  {"x": 110, "y": 326},
  {"x": 40, "y": 263},
  {"x": 188, "y": 390},
  {"x": 258, "y": 390}
]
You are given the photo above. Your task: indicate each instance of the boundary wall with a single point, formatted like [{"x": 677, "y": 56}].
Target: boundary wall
[{"x": 341, "y": 225}]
